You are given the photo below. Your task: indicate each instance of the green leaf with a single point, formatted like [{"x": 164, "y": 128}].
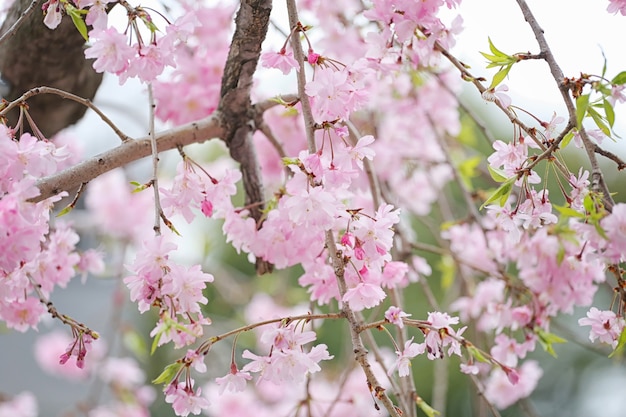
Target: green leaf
[
  {"x": 501, "y": 194},
  {"x": 496, "y": 61},
  {"x": 497, "y": 174},
  {"x": 168, "y": 374},
  {"x": 500, "y": 75},
  {"x": 568, "y": 211},
  {"x": 495, "y": 50},
  {"x": 546, "y": 339},
  {"x": 597, "y": 118},
  {"x": 477, "y": 354},
  {"x": 609, "y": 112},
  {"x": 155, "y": 342},
  {"x": 582, "y": 103},
  {"x": 77, "y": 18},
  {"x": 619, "y": 349},
  {"x": 65, "y": 211},
  {"x": 567, "y": 139},
  {"x": 619, "y": 79}
]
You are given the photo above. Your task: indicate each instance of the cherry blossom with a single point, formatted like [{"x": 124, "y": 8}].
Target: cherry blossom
[
  {"x": 282, "y": 60},
  {"x": 403, "y": 362},
  {"x": 605, "y": 326},
  {"x": 394, "y": 316},
  {"x": 110, "y": 51},
  {"x": 617, "y": 6}
]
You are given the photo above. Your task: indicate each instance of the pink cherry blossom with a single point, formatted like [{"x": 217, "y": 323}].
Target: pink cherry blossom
[
  {"x": 53, "y": 10},
  {"x": 234, "y": 381},
  {"x": 394, "y": 315},
  {"x": 22, "y": 315},
  {"x": 123, "y": 372},
  {"x": 617, "y": 6},
  {"x": 110, "y": 51},
  {"x": 50, "y": 346},
  {"x": 185, "y": 400},
  {"x": 403, "y": 362},
  {"x": 605, "y": 326},
  {"x": 364, "y": 295},
  {"x": 502, "y": 393},
  {"x": 615, "y": 228},
  {"x": 282, "y": 60}
]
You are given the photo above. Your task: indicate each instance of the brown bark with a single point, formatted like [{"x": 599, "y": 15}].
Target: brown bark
[
  {"x": 235, "y": 105},
  {"x": 37, "y": 56}
]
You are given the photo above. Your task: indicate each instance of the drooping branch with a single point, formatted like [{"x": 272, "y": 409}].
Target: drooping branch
[
  {"x": 597, "y": 178},
  {"x": 34, "y": 55}
]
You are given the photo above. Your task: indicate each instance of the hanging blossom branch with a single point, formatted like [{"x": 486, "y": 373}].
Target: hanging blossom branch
[
  {"x": 338, "y": 265},
  {"x": 597, "y": 183},
  {"x": 531, "y": 132}
]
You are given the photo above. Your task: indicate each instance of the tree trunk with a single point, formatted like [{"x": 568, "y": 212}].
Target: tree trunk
[{"x": 37, "y": 56}]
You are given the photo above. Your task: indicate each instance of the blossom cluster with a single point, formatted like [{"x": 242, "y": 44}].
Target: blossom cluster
[
  {"x": 37, "y": 256},
  {"x": 176, "y": 290},
  {"x": 327, "y": 212}
]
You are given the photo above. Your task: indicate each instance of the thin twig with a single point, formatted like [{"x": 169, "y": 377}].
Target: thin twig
[
  {"x": 597, "y": 178},
  {"x": 206, "y": 345},
  {"x": 55, "y": 313},
  {"x": 610, "y": 155},
  {"x": 481, "y": 393},
  {"x": 298, "y": 53},
  {"x": 158, "y": 211},
  {"x": 50, "y": 90}
]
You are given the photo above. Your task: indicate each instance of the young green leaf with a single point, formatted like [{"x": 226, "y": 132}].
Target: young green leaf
[
  {"x": 77, "y": 19},
  {"x": 477, "y": 354},
  {"x": 500, "y": 75},
  {"x": 609, "y": 112},
  {"x": 597, "y": 118},
  {"x": 495, "y": 50},
  {"x": 546, "y": 339},
  {"x": 168, "y": 374},
  {"x": 497, "y": 174},
  {"x": 567, "y": 139},
  {"x": 65, "y": 211},
  {"x": 619, "y": 349},
  {"x": 501, "y": 194},
  {"x": 619, "y": 79},
  {"x": 582, "y": 103}
]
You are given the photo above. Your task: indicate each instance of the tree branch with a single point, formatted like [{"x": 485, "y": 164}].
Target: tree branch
[
  {"x": 130, "y": 151},
  {"x": 597, "y": 179}
]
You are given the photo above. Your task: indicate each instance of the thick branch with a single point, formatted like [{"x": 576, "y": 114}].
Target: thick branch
[
  {"x": 252, "y": 22},
  {"x": 128, "y": 152},
  {"x": 34, "y": 55}
]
